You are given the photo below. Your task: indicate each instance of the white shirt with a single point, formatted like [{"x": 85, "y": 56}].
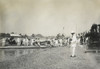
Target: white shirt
[{"x": 74, "y": 40}]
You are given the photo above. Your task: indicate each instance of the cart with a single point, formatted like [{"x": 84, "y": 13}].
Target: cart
[{"x": 93, "y": 43}]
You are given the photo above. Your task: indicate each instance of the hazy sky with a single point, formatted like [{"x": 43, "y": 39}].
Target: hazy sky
[{"x": 48, "y": 17}]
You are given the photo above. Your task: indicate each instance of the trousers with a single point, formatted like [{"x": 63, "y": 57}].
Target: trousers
[{"x": 73, "y": 47}]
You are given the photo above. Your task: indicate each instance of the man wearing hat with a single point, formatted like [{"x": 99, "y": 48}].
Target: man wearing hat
[{"x": 73, "y": 44}]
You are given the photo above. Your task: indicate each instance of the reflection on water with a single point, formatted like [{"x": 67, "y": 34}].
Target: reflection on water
[
  {"x": 98, "y": 58},
  {"x": 9, "y": 54}
]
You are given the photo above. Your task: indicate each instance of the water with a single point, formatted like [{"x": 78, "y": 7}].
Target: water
[
  {"x": 10, "y": 54},
  {"x": 98, "y": 58}
]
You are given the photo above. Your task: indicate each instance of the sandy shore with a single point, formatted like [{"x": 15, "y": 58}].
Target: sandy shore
[{"x": 51, "y": 58}]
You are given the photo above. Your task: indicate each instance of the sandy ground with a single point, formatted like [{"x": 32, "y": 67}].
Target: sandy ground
[{"x": 52, "y": 58}]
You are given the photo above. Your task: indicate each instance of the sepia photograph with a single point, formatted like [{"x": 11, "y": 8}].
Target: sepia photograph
[{"x": 49, "y": 34}]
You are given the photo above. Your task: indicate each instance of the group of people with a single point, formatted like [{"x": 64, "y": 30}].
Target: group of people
[
  {"x": 83, "y": 39},
  {"x": 38, "y": 42},
  {"x": 33, "y": 42},
  {"x": 14, "y": 41},
  {"x": 77, "y": 40},
  {"x": 71, "y": 41}
]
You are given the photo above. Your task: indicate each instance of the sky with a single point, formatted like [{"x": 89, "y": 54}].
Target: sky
[{"x": 48, "y": 17}]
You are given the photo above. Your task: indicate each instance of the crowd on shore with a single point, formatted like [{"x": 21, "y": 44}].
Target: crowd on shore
[
  {"x": 59, "y": 40},
  {"x": 32, "y": 42},
  {"x": 25, "y": 41}
]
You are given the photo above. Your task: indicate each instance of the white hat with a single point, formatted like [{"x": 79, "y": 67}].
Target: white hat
[{"x": 73, "y": 32}]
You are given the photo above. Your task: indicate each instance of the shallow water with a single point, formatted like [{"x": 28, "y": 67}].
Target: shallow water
[
  {"x": 98, "y": 58},
  {"x": 9, "y": 54}
]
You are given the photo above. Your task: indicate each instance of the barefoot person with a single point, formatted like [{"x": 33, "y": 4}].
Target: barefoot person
[{"x": 73, "y": 44}]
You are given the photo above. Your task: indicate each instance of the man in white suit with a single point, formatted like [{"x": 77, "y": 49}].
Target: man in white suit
[{"x": 73, "y": 44}]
